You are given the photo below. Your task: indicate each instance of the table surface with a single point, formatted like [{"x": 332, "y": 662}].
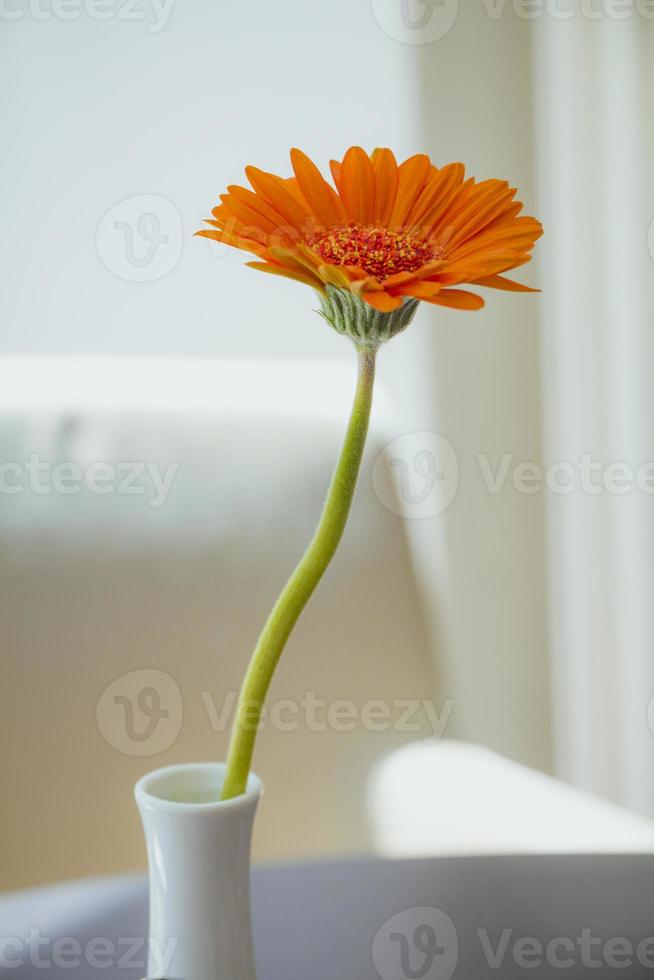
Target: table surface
[{"x": 467, "y": 918}]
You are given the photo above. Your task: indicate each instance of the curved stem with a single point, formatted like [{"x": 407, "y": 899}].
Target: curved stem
[{"x": 303, "y": 581}]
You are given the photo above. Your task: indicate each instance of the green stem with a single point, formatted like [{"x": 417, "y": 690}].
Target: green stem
[{"x": 300, "y": 586}]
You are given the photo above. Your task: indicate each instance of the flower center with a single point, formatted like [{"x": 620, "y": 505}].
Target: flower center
[{"x": 380, "y": 252}]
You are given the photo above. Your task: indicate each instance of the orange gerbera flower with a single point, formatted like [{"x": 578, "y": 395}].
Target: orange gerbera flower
[{"x": 386, "y": 233}]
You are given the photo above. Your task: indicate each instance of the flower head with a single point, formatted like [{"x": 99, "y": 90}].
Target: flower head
[{"x": 386, "y": 233}]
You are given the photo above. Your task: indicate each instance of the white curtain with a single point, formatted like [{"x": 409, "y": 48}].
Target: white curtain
[{"x": 595, "y": 168}]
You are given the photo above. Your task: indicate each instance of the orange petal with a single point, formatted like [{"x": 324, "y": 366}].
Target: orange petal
[
  {"x": 278, "y": 270},
  {"x": 357, "y": 185},
  {"x": 505, "y": 229},
  {"x": 401, "y": 279},
  {"x": 412, "y": 176},
  {"x": 300, "y": 258},
  {"x": 291, "y": 185},
  {"x": 482, "y": 211},
  {"x": 228, "y": 238},
  {"x": 428, "y": 271},
  {"x": 420, "y": 290},
  {"x": 337, "y": 173},
  {"x": 457, "y": 299},
  {"x": 509, "y": 240},
  {"x": 256, "y": 203},
  {"x": 435, "y": 196},
  {"x": 383, "y": 302},
  {"x": 335, "y": 275},
  {"x": 248, "y": 217},
  {"x": 386, "y": 180},
  {"x": 501, "y": 282},
  {"x": 290, "y": 258},
  {"x": 319, "y": 195},
  {"x": 220, "y": 211},
  {"x": 272, "y": 191},
  {"x": 476, "y": 267},
  {"x": 306, "y": 254},
  {"x": 365, "y": 284},
  {"x": 448, "y": 213}
]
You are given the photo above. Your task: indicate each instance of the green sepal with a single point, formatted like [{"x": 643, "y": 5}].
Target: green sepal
[{"x": 350, "y": 315}]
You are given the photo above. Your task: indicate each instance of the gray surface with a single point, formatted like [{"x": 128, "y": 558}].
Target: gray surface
[{"x": 319, "y": 922}]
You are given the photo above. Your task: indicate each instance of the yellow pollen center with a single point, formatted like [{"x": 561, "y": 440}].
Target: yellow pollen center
[{"x": 380, "y": 252}]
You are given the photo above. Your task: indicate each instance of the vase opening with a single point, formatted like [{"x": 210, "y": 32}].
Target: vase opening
[{"x": 193, "y": 784}]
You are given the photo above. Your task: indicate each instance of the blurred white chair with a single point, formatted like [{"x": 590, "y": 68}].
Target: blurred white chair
[
  {"x": 447, "y": 797},
  {"x": 97, "y": 586}
]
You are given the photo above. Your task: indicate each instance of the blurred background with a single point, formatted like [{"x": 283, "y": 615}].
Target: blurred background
[{"x": 475, "y": 673}]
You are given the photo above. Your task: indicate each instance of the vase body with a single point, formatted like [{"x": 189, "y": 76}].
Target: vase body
[{"x": 199, "y": 866}]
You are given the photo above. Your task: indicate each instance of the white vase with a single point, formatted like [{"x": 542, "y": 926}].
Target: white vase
[{"x": 199, "y": 861}]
